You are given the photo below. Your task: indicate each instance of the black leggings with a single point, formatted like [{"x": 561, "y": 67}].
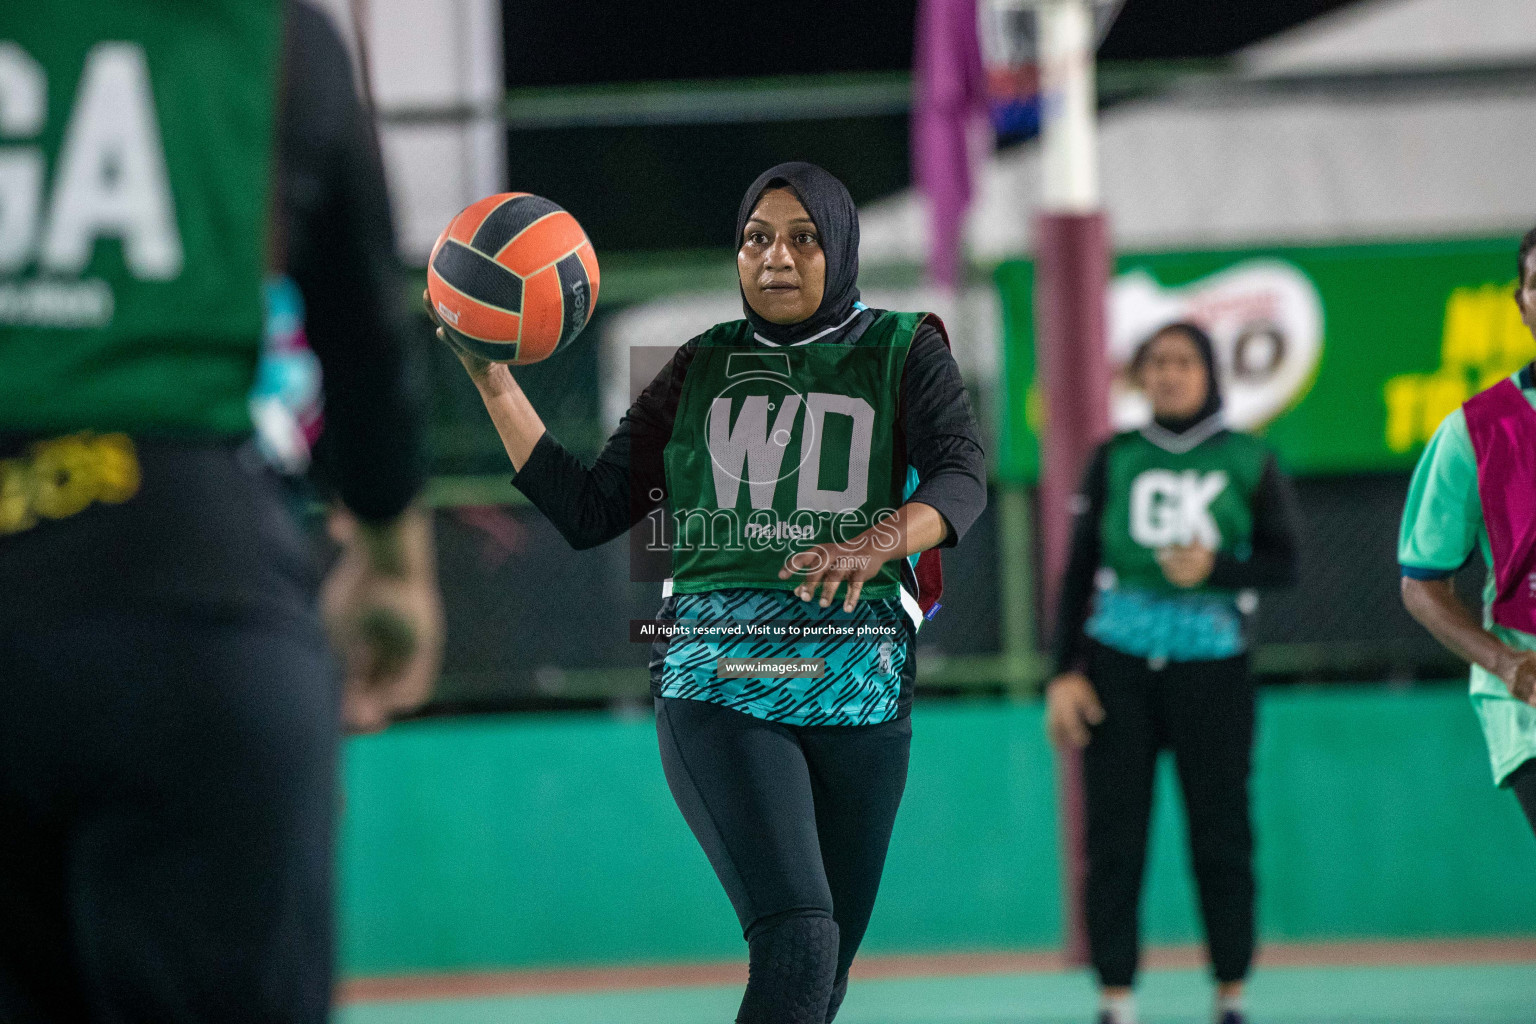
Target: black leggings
[
  {"x": 795, "y": 822},
  {"x": 1523, "y": 781},
  {"x": 1204, "y": 711}
]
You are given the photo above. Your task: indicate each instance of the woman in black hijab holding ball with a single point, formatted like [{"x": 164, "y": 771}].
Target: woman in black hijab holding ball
[{"x": 807, "y": 454}]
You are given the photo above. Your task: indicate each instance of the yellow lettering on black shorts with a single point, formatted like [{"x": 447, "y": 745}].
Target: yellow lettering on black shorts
[{"x": 64, "y": 476}]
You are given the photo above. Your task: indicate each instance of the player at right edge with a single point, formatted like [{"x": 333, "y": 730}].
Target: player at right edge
[{"x": 1475, "y": 486}]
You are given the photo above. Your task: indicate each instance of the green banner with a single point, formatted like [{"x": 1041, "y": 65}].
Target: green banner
[{"x": 1344, "y": 357}]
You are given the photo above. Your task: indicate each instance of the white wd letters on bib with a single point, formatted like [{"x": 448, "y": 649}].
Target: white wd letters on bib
[{"x": 753, "y": 446}]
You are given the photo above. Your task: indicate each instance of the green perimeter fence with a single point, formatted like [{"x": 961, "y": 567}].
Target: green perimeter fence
[{"x": 497, "y": 842}]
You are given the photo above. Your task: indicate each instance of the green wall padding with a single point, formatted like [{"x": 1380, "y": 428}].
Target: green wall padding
[{"x": 544, "y": 840}]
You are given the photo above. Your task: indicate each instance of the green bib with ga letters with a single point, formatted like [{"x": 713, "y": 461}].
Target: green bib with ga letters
[
  {"x": 1157, "y": 497},
  {"x": 136, "y": 157},
  {"x": 776, "y": 449}
]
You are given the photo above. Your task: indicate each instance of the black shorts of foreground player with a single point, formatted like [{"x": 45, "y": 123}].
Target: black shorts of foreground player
[
  {"x": 1176, "y": 522},
  {"x": 791, "y": 785}
]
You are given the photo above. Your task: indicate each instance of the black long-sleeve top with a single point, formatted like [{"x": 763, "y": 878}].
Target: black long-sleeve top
[
  {"x": 334, "y": 237},
  {"x": 592, "y": 506},
  {"x": 1273, "y": 561}
]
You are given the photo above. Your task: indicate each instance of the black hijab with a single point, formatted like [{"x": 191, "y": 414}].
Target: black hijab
[
  {"x": 837, "y": 220},
  {"x": 1207, "y": 350}
]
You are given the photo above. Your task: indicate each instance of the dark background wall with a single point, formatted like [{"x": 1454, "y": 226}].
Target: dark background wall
[
  {"x": 677, "y": 187},
  {"x": 572, "y": 42}
]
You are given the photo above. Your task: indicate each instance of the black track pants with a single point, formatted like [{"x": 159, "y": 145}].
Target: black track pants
[
  {"x": 795, "y": 822},
  {"x": 1523, "y": 781},
  {"x": 1204, "y": 711},
  {"x": 168, "y": 790},
  {"x": 169, "y": 724}
]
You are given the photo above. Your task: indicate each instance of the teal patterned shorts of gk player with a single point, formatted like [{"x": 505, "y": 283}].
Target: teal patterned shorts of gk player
[{"x": 1167, "y": 627}]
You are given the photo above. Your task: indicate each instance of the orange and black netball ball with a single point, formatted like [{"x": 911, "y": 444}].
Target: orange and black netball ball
[{"x": 513, "y": 278}]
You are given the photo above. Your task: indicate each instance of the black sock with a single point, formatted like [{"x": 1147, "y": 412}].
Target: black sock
[
  {"x": 839, "y": 990},
  {"x": 1523, "y": 781}
]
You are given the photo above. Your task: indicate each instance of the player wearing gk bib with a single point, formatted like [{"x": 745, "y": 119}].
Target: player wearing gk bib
[
  {"x": 802, "y": 458},
  {"x": 171, "y": 708},
  {"x": 1176, "y": 522},
  {"x": 1475, "y": 489}
]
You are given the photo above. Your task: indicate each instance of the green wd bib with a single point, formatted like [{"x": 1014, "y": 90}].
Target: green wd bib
[
  {"x": 778, "y": 449},
  {"x": 136, "y": 153},
  {"x": 1156, "y": 498}
]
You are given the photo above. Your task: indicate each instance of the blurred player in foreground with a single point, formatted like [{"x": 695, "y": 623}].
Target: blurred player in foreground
[
  {"x": 1475, "y": 489},
  {"x": 1175, "y": 522},
  {"x": 171, "y": 714},
  {"x": 790, "y": 784}
]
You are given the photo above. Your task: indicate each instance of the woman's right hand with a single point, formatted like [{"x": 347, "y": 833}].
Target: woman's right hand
[
  {"x": 480, "y": 370},
  {"x": 1071, "y": 707},
  {"x": 1518, "y": 671},
  {"x": 516, "y": 421}
]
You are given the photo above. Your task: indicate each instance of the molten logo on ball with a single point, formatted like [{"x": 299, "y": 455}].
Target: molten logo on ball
[{"x": 513, "y": 278}]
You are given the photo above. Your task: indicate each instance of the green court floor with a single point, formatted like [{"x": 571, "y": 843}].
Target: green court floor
[{"x": 1462, "y": 994}]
